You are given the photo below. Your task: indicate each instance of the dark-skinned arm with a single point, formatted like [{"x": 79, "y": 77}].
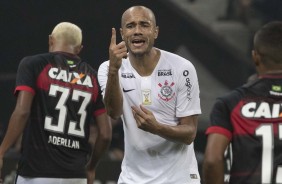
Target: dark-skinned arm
[
  {"x": 213, "y": 166},
  {"x": 17, "y": 122},
  {"x": 101, "y": 146}
]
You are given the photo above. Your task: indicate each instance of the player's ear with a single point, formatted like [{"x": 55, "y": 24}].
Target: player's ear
[
  {"x": 78, "y": 49},
  {"x": 50, "y": 40},
  {"x": 50, "y": 43},
  {"x": 256, "y": 57},
  {"x": 156, "y": 32},
  {"x": 121, "y": 33}
]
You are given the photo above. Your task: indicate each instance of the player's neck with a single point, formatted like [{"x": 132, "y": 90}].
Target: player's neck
[
  {"x": 146, "y": 64},
  {"x": 269, "y": 72},
  {"x": 63, "y": 48}
]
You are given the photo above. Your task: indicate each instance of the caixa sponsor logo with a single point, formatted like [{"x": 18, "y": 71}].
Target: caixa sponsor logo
[
  {"x": 70, "y": 77},
  {"x": 187, "y": 83},
  {"x": 127, "y": 75},
  {"x": 261, "y": 110}
]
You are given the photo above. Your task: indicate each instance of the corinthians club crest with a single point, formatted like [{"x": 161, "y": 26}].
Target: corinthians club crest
[{"x": 166, "y": 92}]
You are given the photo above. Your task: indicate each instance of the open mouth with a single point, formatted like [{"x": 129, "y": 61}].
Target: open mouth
[{"x": 138, "y": 42}]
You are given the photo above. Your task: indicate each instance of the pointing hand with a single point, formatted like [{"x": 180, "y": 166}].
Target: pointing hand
[{"x": 116, "y": 52}]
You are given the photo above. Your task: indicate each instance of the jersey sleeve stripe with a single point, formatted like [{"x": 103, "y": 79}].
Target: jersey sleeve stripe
[
  {"x": 99, "y": 111},
  {"x": 24, "y": 88},
  {"x": 220, "y": 130}
]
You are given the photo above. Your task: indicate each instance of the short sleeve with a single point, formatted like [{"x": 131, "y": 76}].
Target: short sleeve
[
  {"x": 26, "y": 79},
  {"x": 99, "y": 107},
  {"x": 188, "y": 93},
  {"x": 103, "y": 76},
  {"x": 220, "y": 119}
]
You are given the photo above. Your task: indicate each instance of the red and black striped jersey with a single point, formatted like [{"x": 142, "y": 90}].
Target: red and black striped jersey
[
  {"x": 66, "y": 98},
  {"x": 251, "y": 118}
]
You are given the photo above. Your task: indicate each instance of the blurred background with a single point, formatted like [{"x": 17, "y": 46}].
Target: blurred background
[{"x": 216, "y": 36}]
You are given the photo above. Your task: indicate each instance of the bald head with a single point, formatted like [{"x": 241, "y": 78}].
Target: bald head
[{"x": 134, "y": 9}]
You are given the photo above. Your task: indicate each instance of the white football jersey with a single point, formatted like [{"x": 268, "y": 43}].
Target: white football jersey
[{"x": 170, "y": 92}]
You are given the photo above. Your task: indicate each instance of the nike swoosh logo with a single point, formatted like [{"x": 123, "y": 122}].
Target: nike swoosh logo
[{"x": 124, "y": 90}]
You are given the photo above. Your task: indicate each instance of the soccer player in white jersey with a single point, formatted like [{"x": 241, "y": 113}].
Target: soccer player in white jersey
[{"x": 156, "y": 93}]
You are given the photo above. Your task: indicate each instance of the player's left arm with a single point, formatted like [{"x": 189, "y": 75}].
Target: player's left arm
[
  {"x": 17, "y": 123},
  {"x": 184, "y": 132},
  {"x": 213, "y": 165},
  {"x": 101, "y": 146},
  {"x": 18, "y": 120}
]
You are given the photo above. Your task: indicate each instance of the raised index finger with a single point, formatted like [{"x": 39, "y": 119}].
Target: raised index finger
[{"x": 114, "y": 37}]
